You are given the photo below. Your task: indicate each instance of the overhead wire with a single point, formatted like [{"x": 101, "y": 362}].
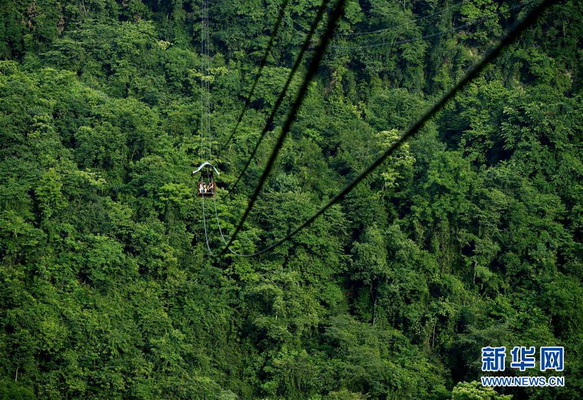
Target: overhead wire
[
  {"x": 313, "y": 67},
  {"x": 492, "y": 54},
  {"x": 205, "y": 146},
  {"x": 376, "y": 31},
  {"x": 206, "y": 143},
  {"x": 403, "y": 41},
  {"x": 428, "y": 36},
  {"x": 297, "y": 63},
  {"x": 262, "y": 63},
  {"x": 283, "y": 92},
  {"x": 306, "y": 46},
  {"x": 222, "y": 235}
]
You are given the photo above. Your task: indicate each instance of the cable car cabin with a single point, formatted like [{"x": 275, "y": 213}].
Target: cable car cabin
[{"x": 208, "y": 188}]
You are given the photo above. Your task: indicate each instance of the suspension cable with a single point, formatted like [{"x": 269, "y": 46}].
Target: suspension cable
[
  {"x": 421, "y": 18},
  {"x": 279, "y": 101},
  {"x": 337, "y": 12},
  {"x": 440, "y": 33},
  {"x": 205, "y": 120},
  {"x": 318, "y": 18},
  {"x": 222, "y": 235},
  {"x": 381, "y": 30},
  {"x": 403, "y": 41},
  {"x": 258, "y": 75},
  {"x": 492, "y": 54}
]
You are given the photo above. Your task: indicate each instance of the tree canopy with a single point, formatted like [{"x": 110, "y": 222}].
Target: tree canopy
[{"x": 469, "y": 236}]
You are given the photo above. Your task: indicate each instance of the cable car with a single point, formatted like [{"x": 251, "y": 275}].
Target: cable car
[{"x": 208, "y": 188}]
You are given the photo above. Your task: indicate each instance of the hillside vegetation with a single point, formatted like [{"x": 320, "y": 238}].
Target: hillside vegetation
[{"x": 468, "y": 236}]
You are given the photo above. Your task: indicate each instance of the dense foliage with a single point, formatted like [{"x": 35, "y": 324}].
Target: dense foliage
[{"x": 468, "y": 237}]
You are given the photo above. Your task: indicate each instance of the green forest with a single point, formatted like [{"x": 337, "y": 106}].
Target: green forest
[{"x": 114, "y": 278}]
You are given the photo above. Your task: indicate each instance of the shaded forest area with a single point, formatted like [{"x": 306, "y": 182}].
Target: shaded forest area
[{"x": 469, "y": 236}]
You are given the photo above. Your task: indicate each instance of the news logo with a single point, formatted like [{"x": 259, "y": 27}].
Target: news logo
[{"x": 550, "y": 358}]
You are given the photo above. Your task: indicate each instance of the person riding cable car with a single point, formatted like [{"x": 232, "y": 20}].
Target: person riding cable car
[{"x": 206, "y": 190}]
